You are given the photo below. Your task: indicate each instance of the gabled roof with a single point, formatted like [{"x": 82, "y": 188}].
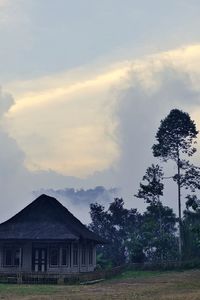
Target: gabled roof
[{"x": 45, "y": 219}]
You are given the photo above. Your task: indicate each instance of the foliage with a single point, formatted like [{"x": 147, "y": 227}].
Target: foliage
[
  {"x": 175, "y": 135},
  {"x": 151, "y": 236},
  {"x": 175, "y": 140},
  {"x": 153, "y": 187},
  {"x": 191, "y": 228},
  {"x": 159, "y": 228},
  {"x": 133, "y": 237},
  {"x": 117, "y": 225}
]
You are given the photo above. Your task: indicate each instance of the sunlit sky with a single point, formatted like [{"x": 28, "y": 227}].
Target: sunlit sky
[{"x": 84, "y": 85}]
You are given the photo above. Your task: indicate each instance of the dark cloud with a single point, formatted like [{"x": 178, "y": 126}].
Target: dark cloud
[
  {"x": 78, "y": 200},
  {"x": 82, "y": 196}
]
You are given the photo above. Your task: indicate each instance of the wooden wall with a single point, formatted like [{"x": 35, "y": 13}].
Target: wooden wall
[{"x": 26, "y": 262}]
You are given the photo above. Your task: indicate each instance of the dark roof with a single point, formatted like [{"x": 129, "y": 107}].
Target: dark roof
[{"x": 45, "y": 218}]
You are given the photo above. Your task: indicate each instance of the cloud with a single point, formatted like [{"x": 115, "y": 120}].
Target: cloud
[
  {"x": 11, "y": 162},
  {"x": 6, "y": 102},
  {"x": 11, "y": 13},
  {"x": 68, "y": 122},
  {"x": 17, "y": 183},
  {"x": 78, "y": 200},
  {"x": 163, "y": 84},
  {"x": 63, "y": 88},
  {"x": 102, "y": 126},
  {"x": 4, "y": 3}
]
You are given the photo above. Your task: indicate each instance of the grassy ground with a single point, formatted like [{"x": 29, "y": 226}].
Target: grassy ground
[{"x": 130, "y": 285}]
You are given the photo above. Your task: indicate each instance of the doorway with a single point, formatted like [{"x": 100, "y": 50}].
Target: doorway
[{"x": 39, "y": 260}]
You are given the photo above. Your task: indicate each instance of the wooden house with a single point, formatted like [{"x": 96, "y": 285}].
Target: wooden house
[{"x": 45, "y": 237}]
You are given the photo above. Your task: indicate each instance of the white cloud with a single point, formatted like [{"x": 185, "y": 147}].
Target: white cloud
[
  {"x": 69, "y": 128},
  {"x": 103, "y": 129},
  {"x": 68, "y": 122}
]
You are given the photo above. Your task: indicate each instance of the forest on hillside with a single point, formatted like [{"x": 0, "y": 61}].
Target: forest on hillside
[{"x": 157, "y": 234}]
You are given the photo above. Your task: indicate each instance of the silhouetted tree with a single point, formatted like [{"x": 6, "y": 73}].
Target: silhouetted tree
[
  {"x": 152, "y": 187},
  {"x": 175, "y": 140},
  {"x": 191, "y": 228},
  {"x": 134, "y": 237},
  {"x": 116, "y": 225},
  {"x": 154, "y": 221},
  {"x": 159, "y": 239}
]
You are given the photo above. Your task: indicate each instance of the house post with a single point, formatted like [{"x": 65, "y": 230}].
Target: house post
[{"x": 19, "y": 275}]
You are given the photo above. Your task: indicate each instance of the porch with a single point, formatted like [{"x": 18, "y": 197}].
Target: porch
[{"x": 48, "y": 257}]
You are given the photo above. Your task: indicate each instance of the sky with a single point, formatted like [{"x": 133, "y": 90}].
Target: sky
[{"x": 84, "y": 85}]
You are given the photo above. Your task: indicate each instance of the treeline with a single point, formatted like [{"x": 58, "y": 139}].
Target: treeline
[
  {"x": 157, "y": 234},
  {"x": 134, "y": 237}
]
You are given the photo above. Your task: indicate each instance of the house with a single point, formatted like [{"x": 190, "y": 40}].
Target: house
[{"x": 45, "y": 237}]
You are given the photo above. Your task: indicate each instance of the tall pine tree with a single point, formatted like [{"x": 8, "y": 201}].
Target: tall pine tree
[{"x": 175, "y": 141}]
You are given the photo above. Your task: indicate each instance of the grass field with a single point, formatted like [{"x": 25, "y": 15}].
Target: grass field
[{"x": 130, "y": 285}]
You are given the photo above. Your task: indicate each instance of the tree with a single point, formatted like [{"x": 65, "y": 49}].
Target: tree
[
  {"x": 191, "y": 228},
  {"x": 152, "y": 188},
  {"x": 102, "y": 225},
  {"x": 175, "y": 140},
  {"x": 109, "y": 224},
  {"x": 151, "y": 191},
  {"x": 131, "y": 236},
  {"x": 118, "y": 226},
  {"x": 159, "y": 239}
]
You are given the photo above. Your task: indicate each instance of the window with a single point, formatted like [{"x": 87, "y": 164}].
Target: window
[
  {"x": 54, "y": 256},
  {"x": 11, "y": 257},
  {"x": 83, "y": 255},
  {"x": 90, "y": 255},
  {"x": 65, "y": 255},
  {"x": 75, "y": 254},
  {"x": 17, "y": 257},
  {"x": 8, "y": 257}
]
